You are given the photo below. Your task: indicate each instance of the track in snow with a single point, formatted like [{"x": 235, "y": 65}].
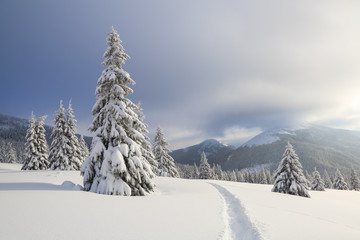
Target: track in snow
[{"x": 237, "y": 224}]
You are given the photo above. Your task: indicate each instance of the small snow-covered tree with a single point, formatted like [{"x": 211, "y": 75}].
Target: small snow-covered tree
[
  {"x": 239, "y": 176},
  {"x": 30, "y": 146},
  {"x": 232, "y": 176},
  {"x": 204, "y": 169},
  {"x": 308, "y": 178},
  {"x": 116, "y": 164},
  {"x": 196, "y": 172},
  {"x": 42, "y": 146},
  {"x": 262, "y": 177},
  {"x": 289, "y": 177},
  {"x": 339, "y": 182},
  {"x": 269, "y": 178},
  {"x": 84, "y": 148},
  {"x": 36, "y": 149},
  {"x": 218, "y": 172},
  {"x": 166, "y": 164},
  {"x": 327, "y": 180},
  {"x": 11, "y": 153},
  {"x": 354, "y": 181},
  {"x": 74, "y": 153},
  {"x": 317, "y": 183},
  {"x": 59, "y": 155},
  {"x": 3, "y": 151}
]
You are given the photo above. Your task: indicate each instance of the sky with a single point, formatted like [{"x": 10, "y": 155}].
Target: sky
[{"x": 203, "y": 69}]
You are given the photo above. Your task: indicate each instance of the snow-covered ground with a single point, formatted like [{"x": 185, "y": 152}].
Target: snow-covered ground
[{"x": 49, "y": 205}]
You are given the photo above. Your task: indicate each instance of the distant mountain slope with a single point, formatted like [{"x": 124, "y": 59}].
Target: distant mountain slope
[
  {"x": 213, "y": 149},
  {"x": 13, "y": 129},
  {"x": 316, "y": 146}
]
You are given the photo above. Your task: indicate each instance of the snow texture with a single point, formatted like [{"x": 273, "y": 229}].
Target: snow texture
[{"x": 179, "y": 209}]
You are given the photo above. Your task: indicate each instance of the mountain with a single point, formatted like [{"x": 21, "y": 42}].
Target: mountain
[
  {"x": 316, "y": 146},
  {"x": 213, "y": 149},
  {"x": 13, "y": 129}
]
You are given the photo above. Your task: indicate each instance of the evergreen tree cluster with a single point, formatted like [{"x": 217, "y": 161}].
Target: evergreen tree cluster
[
  {"x": 66, "y": 151},
  {"x": 262, "y": 176}
]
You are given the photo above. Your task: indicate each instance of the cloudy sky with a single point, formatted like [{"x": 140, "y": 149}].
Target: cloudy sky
[{"x": 203, "y": 69}]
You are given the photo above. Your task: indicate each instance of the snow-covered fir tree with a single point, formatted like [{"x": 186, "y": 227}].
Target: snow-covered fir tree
[
  {"x": 239, "y": 176},
  {"x": 317, "y": 183},
  {"x": 166, "y": 164},
  {"x": 327, "y": 180},
  {"x": 308, "y": 178},
  {"x": 36, "y": 149},
  {"x": 116, "y": 164},
  {"x": 262, "y": 177},
  {"x": 11, "y": 153},
  {"x": 84, "y": 148},
  {"x": 196, "y": 172},
  {"x": 269, "y": 178},
  {"x": 42, "y": 146},
  {"x": 289, "y": 177},
  {"x": 74, "y": 153},
  {"x": 339, "y": 182},
  {"x": 218, "y": 172},
  {"x": 3, "y": 152},
  {"x": 354, "y": 182},
  {"x": 232, "y": 176},
  {"x": 58, "y": 156},
  {"x": 205, "y": 171}
]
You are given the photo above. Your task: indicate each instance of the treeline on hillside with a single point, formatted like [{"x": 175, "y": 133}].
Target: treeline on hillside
[{"x": 337, "y": 180}]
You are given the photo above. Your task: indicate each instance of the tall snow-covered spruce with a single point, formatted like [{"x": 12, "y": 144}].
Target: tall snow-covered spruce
[
  {"x": 166, "y": 164},
  {"x": 116, "y": 164},
  {"x": 289, "y": 177}
]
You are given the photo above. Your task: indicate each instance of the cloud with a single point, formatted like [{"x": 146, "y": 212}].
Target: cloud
[{"x": 254, "y": 66}]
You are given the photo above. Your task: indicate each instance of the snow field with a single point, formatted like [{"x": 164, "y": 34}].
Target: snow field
[
  {"x": 333, "y": 214},
  {"x": 48, "y": 205},
  {"x": 45, "y": 208}
]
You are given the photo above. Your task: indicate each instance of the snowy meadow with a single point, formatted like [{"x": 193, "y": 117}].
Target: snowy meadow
[{"x": 50, "y": 205}]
